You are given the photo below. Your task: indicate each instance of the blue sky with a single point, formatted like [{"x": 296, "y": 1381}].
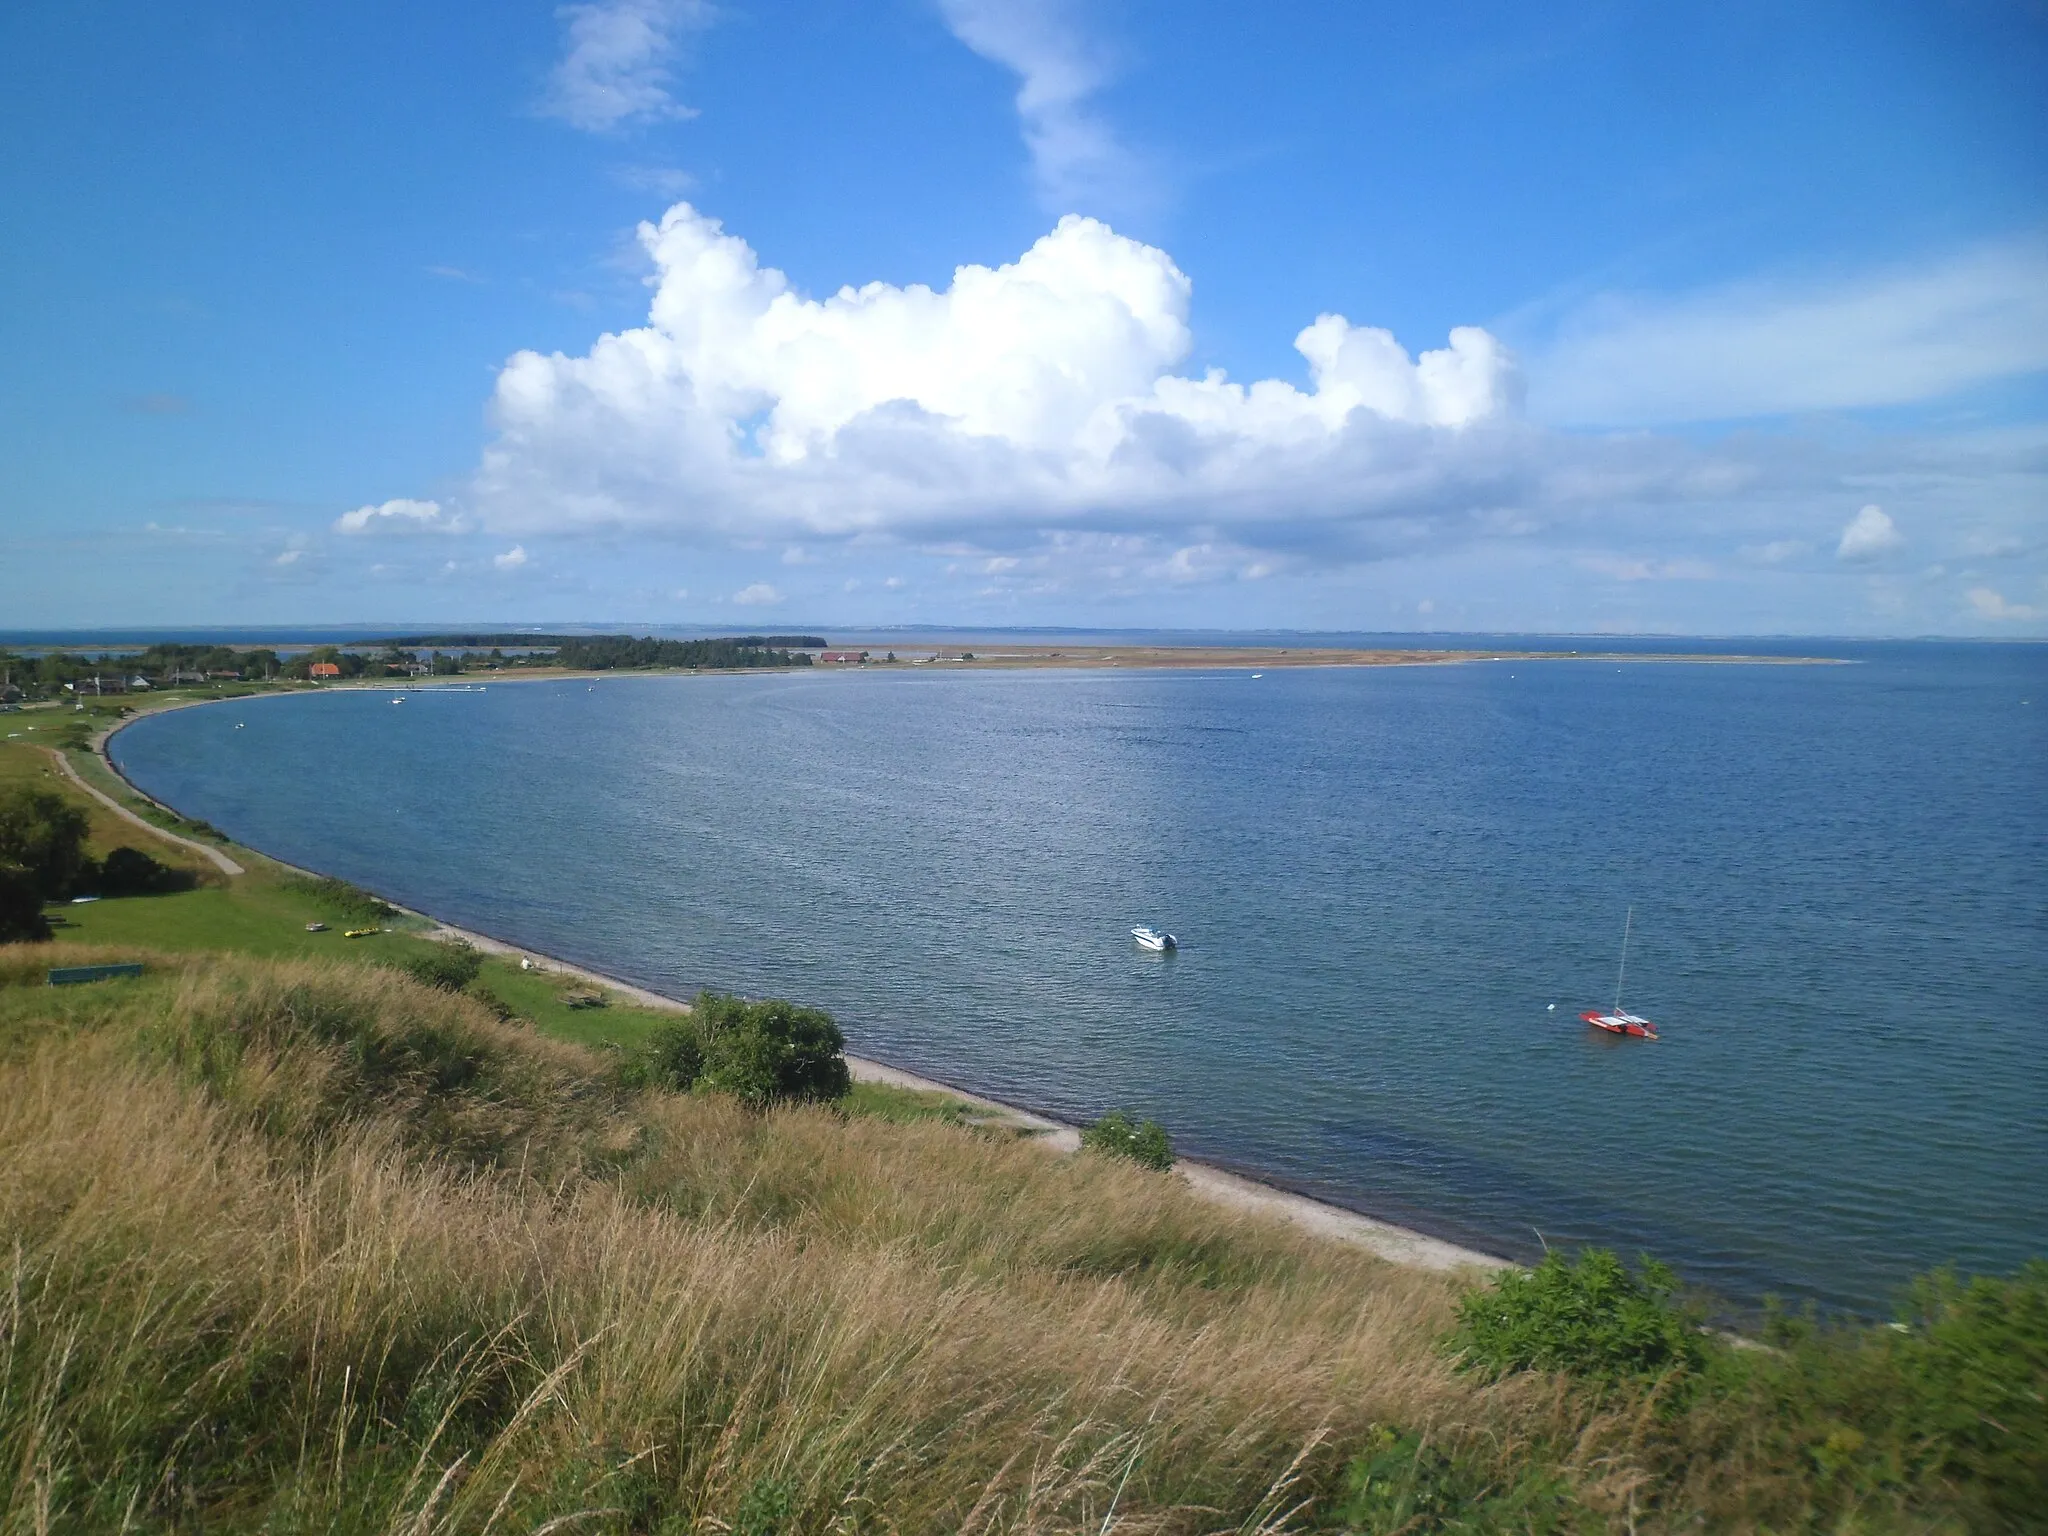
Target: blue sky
[{"x": 1702, "y": 318}]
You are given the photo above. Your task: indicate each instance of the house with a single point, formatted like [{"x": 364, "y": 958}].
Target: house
[
  {"x": 228, "y": 676},
  {"x": 844, "y": 658},
  {"x": 139, "y": 683},
  {"x": 182, "y": 676},
  {"x": 320, "y": 671}
]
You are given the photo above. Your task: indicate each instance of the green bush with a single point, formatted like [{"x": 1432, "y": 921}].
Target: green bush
[
  {"x": 1588, "y": 1317},
  {"x": 1142, "y": 1141},
  {"x": 1974, "y": 1369},
  {"x": 451, "y": 966},
  {"x": 44, "y": 836},
  {"x": 1948, "y": 1403},
  {"x": 131, "y": 872},
  {"x": 770, "y": 1051},
  {"x": 673, "y": 1057}
]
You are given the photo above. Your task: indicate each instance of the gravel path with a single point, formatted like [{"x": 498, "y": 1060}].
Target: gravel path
[{"x": 221, "y": 861}]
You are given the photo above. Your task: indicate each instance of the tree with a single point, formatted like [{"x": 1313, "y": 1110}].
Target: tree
[
  {"x": 131, "y": 872},
  {"x": 349, "y": 662},
  {"x": 44, "y": 835},
  {"x": 21, "y": 907}
]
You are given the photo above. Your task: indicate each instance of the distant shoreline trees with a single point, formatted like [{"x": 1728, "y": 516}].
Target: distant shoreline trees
[
  {"x": 48, "y": 674},
  {"x": 605, "y": 653}
]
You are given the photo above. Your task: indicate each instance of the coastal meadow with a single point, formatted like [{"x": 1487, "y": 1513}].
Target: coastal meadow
[{"x": 305, "y": 1245}]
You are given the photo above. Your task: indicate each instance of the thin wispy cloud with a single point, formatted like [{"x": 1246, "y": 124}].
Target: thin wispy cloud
[
  {"x": 662, "y": 180},
  {"x": 1873, "y": 338},
  {"x": 617, "y": 62},
  {"x": 1078, "y": 162}
]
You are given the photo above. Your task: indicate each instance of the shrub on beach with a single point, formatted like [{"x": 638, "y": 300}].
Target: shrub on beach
[
  {"x": 761, "y": 1051},
  {"x": 339, "y": 897},
  {"x": 1144, "y": 1142},
  {"x": 451, "y": 966},
  {"x": 1588, "y": 1316},
  {"x": 770, "y": 1051}
]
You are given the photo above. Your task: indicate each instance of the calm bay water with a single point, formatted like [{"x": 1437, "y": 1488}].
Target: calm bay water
[{"x": 1381, "y": 878}]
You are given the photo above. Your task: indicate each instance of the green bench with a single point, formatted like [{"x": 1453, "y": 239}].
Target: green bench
[{"x": 72, "y": 975}]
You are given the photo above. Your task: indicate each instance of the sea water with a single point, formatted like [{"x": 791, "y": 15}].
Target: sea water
[{"x": 1395, "y": 889}]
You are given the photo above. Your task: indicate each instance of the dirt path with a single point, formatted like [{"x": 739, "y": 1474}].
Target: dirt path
[{"x": 221, "y": 861}]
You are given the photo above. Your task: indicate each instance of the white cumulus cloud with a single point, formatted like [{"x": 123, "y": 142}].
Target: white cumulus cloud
[
  {"x": 400, "y": 516},
  {"x": 512, "y": 559},
  {"x": 1869, "y": 534},
  {"x": 614, "y": 69},
  {"x": 759, "y": 595},
  {"x": 1036, "y": 394}
]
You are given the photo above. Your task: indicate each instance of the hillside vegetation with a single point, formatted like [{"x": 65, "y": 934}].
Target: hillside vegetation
[{"x": 304, "y": 1245}]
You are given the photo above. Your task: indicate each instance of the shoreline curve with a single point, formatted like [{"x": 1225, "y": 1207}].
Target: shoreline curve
[{"x": 1237, "y": 1191}]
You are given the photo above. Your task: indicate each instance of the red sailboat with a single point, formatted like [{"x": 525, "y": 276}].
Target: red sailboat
[{"x": 1618, "y": 1022}]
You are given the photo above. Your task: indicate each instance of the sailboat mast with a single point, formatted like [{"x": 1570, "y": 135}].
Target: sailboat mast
[{"x": 1622, "y": 975}]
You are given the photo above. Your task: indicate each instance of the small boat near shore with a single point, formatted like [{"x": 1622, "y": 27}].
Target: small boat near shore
[
  {"x": 1617, "y": 1022},
  {"x": 1152, "y": 939}
]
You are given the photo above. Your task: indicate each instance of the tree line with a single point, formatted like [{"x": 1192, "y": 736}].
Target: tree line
[
  {"x": 49, "y": 671},
  {"x": 47, "y": 674},
  {"x": 604, "y": 653},
  {"x": 477, "y": 641}
]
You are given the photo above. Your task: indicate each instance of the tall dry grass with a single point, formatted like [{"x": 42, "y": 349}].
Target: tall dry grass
[{"x": 298, "y": 1247}]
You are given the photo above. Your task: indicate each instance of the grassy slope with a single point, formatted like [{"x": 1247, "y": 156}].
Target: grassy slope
[{"x": 300, "y": 1245}]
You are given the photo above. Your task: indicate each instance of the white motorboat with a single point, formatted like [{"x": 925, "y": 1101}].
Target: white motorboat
[{"x": 1154, "y": 940}]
